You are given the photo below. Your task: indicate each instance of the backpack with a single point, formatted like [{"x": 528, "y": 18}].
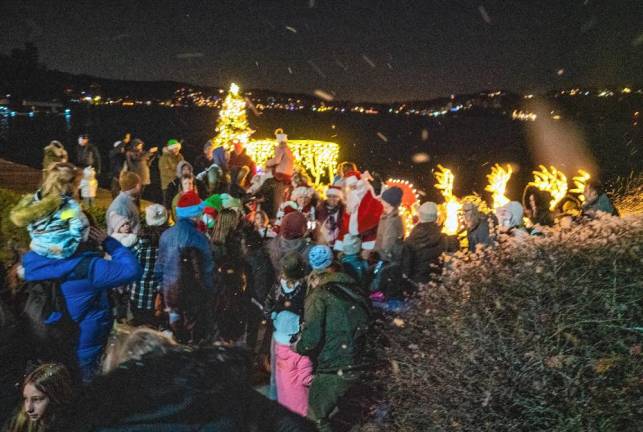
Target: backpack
[
  {"x": 192, "y": 299},
  {"x": 49, "y": 326}
]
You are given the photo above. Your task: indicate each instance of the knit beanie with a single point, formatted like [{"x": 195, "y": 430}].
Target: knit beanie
[
  {"x": 428, "y": 212},
  {"x": 320, "y": 257},
  {"x": 128, "y": 181},
  {"x": 172, "y": 143},
  {"x": 155, "y": 215},
  {"x": 293, "y": 226},
  {"x": 292, "y": 266},
  {"x": 335, "y": 191},
  {"x": 301, "y": 191},
  {"x": 189, "y": 205},
  {"x": 393, "y": 196},
  {"x": 351, "y": 244}
]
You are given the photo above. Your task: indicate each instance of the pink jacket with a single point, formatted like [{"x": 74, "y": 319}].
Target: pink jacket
[
  {"x": 284, "y": 161},
  {"x": 293, "y": 375}
]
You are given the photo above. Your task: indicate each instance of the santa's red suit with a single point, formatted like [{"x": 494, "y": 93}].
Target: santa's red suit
[{"x": 363, "y": 211}]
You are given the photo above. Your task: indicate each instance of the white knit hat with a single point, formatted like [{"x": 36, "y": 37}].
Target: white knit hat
[
  {"x": 155, "y": 215},
  {"x": 301, "y": 191},
  {"x": 335, "y": 191},
  {"x": 428, "y": 212}
]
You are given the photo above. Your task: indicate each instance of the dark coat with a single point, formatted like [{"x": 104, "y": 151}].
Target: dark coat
[
  {"x": 240, "y": 160},
  {"x": 422, "y": 250},
  {"x": 139, "y": 162},
  {"x": 480, "y": 234},
  {"x": 279, "y": 246},
  {"x": 184, "y": 390},
  {"x": 336, "y": 319},
  {"x": 261, "y": 273},
  {"x": 117, "y": 158},
  {"x": 88, "y": 155},
  {"x": 13, "y": 357}
]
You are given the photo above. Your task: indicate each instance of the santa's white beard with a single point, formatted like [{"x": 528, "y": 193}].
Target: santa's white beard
[{"x": 355, "y": 197}]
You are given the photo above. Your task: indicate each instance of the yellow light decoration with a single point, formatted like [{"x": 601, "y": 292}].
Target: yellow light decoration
[
  {"x": 318, "y": 158},
  {"x": 410, "y": 201},
  {"x": 498, "y": 184},
  {"x": 552, "y": 181},
  {"x": 580, "y": 181},
  {"x": 451, "y": 205},
  {"x": 233, "y": 121}
]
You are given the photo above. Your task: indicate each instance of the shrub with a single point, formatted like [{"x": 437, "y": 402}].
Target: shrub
[
  {"x": 543, "y": 334},
  {"x": 10, "y": 235}
]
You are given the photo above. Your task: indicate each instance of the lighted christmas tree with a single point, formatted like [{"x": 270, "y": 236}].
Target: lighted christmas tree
[{"x": 232, "y": 122}]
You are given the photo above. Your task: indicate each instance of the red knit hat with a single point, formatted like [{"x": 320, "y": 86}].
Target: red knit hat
[
  {"x": 293, "y": 226},
  {"x": 189, "y": 205}
]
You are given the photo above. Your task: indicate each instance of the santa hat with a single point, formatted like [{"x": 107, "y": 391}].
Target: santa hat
[
  {"x": 335, "y": 191},
  {"x": 351, "y": 178},
  {"x": 280, "y": 135},
  {"x": 189, "y": 205},
  {"x": 300, "y": 192}
]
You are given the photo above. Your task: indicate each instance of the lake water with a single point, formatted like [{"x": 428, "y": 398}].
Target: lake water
[{"x": 468, "y": 144}]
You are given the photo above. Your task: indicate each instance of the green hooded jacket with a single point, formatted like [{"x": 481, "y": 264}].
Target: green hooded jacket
[{"x": 336, "y": 318}]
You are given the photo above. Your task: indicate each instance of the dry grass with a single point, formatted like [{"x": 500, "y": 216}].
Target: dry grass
[{"x": 543, "y": 334}]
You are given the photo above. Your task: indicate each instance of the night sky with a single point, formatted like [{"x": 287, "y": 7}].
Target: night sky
[{"x": 369, "y": 50}]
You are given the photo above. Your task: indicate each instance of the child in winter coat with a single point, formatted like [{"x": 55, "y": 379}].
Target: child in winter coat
[
  {"x": 143, "y": 292},
  {"x": 88, "y": 186},
  {"x": 351, "y": 261},
  {"x": 55, "y": 221},
  {"x": 292, "y": 373},
  {"x": 123, "y": 231}
]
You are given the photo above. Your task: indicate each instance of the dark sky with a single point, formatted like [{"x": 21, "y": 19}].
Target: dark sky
[{"x": 373, "y": 50}]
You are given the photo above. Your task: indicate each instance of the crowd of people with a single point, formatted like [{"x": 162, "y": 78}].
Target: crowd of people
[{"x": 239, "y": 269}]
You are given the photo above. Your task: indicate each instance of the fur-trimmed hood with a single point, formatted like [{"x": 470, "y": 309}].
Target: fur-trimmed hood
[{"x": 32, "y": 208}]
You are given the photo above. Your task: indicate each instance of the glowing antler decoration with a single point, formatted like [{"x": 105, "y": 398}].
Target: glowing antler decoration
[
  {"x": 445, "y": 179},
  {"x": 579, "y": 182},
  {"x": 498, "y": 179},
  {"x": 552, "y": 181}
]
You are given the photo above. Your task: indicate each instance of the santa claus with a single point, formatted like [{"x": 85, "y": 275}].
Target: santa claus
[{"x": 363, "y": 210}]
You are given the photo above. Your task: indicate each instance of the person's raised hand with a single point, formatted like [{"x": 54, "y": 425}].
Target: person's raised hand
[{"x": 97, "y": 234}]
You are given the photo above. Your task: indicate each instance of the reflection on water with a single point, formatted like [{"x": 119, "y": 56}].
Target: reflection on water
[{"x": 5, "y": 113}]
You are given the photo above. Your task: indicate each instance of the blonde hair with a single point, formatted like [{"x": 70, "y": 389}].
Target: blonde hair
[
  {"x": 61, "y": 178},
  {"x": 53, "y": 380},
  {"x": 227, "y": 222},
  {"x": 132, "y": 344}
]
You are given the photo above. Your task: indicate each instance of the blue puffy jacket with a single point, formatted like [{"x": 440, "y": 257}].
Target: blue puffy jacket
[{"x": 87, "y": 299}]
